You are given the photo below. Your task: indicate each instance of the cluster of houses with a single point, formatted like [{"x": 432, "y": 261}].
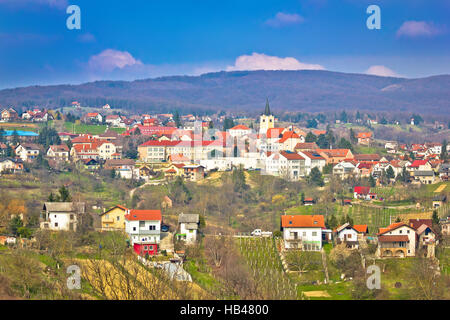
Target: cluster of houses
[
  {"x": 417, "y": 237},
  {"x": 143, "y": 227},
  {"x": 194, "y": 149}
]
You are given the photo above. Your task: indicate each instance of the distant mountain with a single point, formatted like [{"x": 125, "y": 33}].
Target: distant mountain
[{"x": 247, "y": 90}]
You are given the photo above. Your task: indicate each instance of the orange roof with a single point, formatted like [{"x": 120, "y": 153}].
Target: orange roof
[
  {"x": 392, "y": 227},
  {"x": 240, "y": 127},
  {"x": 274, "y": 132},
  {"x": 291, "y": 155},
  {"x": 303, "y": 221},
  {"x": 289, "y": 135},
  {"x": 361, "y": 228},
  {"x": 319, "y": 132},
  {"x": 334, "y": 152},
  {"x": 144, "y": 215},
  {"x": 364, "y": 135}
]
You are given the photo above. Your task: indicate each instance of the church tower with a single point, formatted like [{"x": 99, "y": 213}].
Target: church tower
[{"x": 267, "y": 120}]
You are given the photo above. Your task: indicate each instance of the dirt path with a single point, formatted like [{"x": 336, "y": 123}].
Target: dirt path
[{"x": 149, "y": 183}]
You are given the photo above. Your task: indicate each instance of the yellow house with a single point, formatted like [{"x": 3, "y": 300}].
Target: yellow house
[{"x": 114, "y": 219}]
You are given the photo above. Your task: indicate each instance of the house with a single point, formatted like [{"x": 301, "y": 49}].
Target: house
[
  {"x": 309, "y": 202},
  {"x": 364, "y": 170},
  {"x": 115, "y": 121},
  {"x": 289, "y": 141},
  {"x": 93, "y": 117},
  {"x": 344, "y": 169},
  {"x": 419, "y": 165},
  {"x": 306, "y": 146},
  {"x": 351, "y": 235},
  {"x": 334, "y": 156},
  {"x": 144, "y": 230},
  {"x": 188, "y": 224},
  {"x": 303, "y": 231},
  {"x": 426, "y": 237},
  {"x": 9, "y": 115},
  {"x": 445, "y": 226},
  {"x": 363, "y": 193},
  {"x": 364, "y": 138},
  {"x": 27, "y": 151},
  {"x": 397, "y": 240},
  {"x": 291, "y": 165},
  {"x": 240, "y": 131},
  {"x": 194, "y": 172},
  {"x": 9, "y": 165},
  {"x": 90, "y": 164},
  {"x": 58, "y": 152},
  {"x": 123, "y": 168},
  {"x": 312, "y": 160},
  {"x": 62, "y": 216},
  {"x": 444, "y": 171},
  {"x": 439, "y": 201},
  {"x": 113, "y": 219},
  {"x": 425, "y": 177}
]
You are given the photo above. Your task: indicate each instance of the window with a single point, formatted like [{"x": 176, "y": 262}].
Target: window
[
  {"x": 118, "y": 218},
  {"x": 56, "y": 224},
  {"x": 152, "y": 227},
  {"x": 314, "y": 234},
  {"x": 145, "y": 247},
  {"x": 150, "y": 247},
  {"x": 134, "y": 228},
  {"x": 400, "y": 231},
  {"x": 304, "y": 233}
]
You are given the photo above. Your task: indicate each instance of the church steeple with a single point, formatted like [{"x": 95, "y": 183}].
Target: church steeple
[{"x": 267, "y": 111}]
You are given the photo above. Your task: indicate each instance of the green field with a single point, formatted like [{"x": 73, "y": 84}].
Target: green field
[{"x": 88, "y": 128}]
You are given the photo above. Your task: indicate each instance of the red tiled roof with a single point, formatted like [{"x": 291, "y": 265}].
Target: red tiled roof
[
  {"x": 144, "y": 215},
  {"x": 417, "y": 163},
  {"x": 303, "y": 221},
  {"x": 392, "y": 227},
  {"x": 291, "y": 155},
  {"x": 393, "y": 239},
  {"x": 289, "y": 135},
  {"x": 361, "y": 228},
  {"x": 240, "y": 127},
  {"x": 362, "y": 190},
  {"x": 364, "y": 135},
  {"x": 416, "y": 223},
  {"x": 274, "y": 133},
  {"x": 334, "y": 152},
  {"x": 306, "y": 146}
]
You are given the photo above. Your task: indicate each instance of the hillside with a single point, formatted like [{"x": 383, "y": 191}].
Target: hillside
[{"x": 247, "y": 90}]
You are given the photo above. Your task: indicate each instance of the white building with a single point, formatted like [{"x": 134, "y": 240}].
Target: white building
[
  {"x": 188, "y": 227},
  {"x": 144, "y": 230},
  {"x": 313, "y": 160},
  {"x": 62, "y": 216},
  {"x": 303, "y": 232},
  {"x": 27, "y": 151}
]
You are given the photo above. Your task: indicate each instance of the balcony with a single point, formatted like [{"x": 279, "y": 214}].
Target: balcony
[{"x": 148, "y": 232}]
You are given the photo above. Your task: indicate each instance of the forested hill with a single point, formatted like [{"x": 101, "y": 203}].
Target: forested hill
[{"x": 247, "y": 90}]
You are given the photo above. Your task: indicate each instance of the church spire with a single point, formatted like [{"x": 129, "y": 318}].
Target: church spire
[{"x": 267, "y": 111}]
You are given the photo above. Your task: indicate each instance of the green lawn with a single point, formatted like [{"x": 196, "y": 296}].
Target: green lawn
[{"x": 89, "y": 128}]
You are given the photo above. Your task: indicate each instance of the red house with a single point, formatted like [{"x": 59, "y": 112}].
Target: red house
[{"x": 144, "y": 229}]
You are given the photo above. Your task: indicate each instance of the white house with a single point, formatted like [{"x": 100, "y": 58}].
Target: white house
[
  {"x": 313, "y": 160},
  {"x": 344, "y": 169},
  {"x": 397, "y": 240},
  {"x": 27, "y": 151},
  {"x": 240, "y": 131},
  {"x": 144, "y": 230},
  {"x": 350, "y": 235},
  {"x": 303, "y": 231},
  {"x": 62, "y": 216},
  {"x": 188, "y": 227}
]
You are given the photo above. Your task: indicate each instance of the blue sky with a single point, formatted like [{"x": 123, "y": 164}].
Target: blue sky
[{"x": 138, "y": 39}]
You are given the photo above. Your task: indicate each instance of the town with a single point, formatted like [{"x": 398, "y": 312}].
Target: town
[{"x": 175, "y": 206}]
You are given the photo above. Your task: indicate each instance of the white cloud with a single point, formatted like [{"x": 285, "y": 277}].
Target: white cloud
[
  {"x": 283, "y": 19},
  {"x": 381, "y": 71},
  {"x": 418, "y": 29},
  {"x": 110, "y": 59},
  {"x": 260, "y": 61}
]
